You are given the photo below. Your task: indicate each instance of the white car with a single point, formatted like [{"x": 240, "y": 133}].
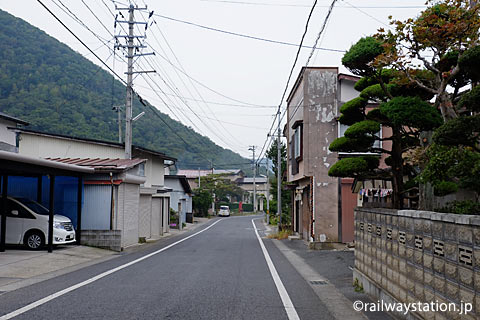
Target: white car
[
  {"x": 27, "y": 223},
  {"x": 224, "y": 211}
]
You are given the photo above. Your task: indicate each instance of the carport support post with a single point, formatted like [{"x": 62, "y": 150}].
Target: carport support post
[
  {"x": 4, "y": 213},
  {"x": 39, "y": 189},
  {"x": 79, "y": 210},
  {"x": 50, "y": 213}
]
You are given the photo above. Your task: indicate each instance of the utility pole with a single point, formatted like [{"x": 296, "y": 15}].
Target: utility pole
[
  {"x": 252, "y": 148},
  {"x": 268, "y": 192},
  {"x": 118, "y": 109},
  {"x": 213, "y": 191},
  {"x": 131, "y": 46},
  {"x": 279, "y": 173},
  {"x": 199, "y": 181}
]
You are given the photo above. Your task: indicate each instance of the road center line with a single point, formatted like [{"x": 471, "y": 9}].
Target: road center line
[
  {"x": 287, "y": 303},
  {"x": 93, "y": 279}
]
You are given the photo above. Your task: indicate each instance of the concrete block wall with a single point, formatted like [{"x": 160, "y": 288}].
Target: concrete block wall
[
  {"x": 105, "y": 239},
  {"x": 414, "y": 256}
]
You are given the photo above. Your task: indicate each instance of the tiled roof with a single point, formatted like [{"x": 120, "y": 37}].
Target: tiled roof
[
  {"x": 258, "y": 180},
  {"x": 190, "y": 173},
  {"x": 106, "y": 164}
]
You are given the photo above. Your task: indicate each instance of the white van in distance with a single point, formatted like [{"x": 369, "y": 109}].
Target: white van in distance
[
  {"x": 224, "y": 211},
  {"x": 27, "y": 223}
]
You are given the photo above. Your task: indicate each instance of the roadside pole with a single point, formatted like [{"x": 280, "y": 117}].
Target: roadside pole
[
  {"x": 279, "y": 175},
  {"x": 268, "y": 192}
]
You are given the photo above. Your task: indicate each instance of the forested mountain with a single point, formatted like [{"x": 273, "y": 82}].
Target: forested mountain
[{"x": 57, "y": 90}]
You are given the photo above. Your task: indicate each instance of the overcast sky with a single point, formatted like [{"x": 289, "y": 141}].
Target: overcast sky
[{"x": 247, "y": 75}]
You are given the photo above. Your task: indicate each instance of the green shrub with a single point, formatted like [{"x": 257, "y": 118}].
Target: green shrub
[
  {"x": 353, "y": 167},
  {"x": 461, "y": 207},
  {"x": 360, "y": 129},
  {"x": 412, "y": 112},
  {"x": 359, "y": 56},
  {"x": 443, "y": 188},
  {"x": 344, "y": 144},
  {"x": 469, "y": 63},
  {"x": 247, "y": 207},
  {"x": 471, "y": 100}
]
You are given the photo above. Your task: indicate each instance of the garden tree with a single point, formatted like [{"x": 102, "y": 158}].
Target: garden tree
[
  {"x": 453, "y": 160},
  {"x": 434, "y": 56},
  {"x": 437, "y": 51},
  {"x": 286, "y": 195},
  {"x": 217, "y": 184},
  {"x": 444, "y": 41},
  {"x": 398, "y": 105},
  {"x": 202, "y": 201},
  {"x": 272, "y": 156}
]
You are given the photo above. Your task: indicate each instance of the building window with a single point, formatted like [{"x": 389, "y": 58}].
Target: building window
[{"x": 297, "y": 140}]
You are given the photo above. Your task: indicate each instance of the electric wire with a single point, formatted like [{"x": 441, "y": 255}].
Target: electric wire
[
  {"x": 290, "y": 76},
  {"x": 81, "y": 41},
  {"x": 111, "y": 70},
  {"x": 191, "y": 82},
  {"x": 308, "y": 6},
  {"x": 100, "y": 21},
  {"x": 330, "y": 9},
  {"x": 244, "y": 35}
]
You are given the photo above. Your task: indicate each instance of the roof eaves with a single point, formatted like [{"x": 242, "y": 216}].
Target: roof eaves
[{"x": 13, "y": 119}]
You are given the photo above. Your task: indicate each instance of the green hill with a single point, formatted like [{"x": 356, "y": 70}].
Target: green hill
[{"x": 57, "y": 90}]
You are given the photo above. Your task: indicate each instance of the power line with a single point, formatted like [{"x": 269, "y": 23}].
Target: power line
[
  {"x": 308, "y": 6},
  {"x": 100, "y": 21},
  {"x": 213, "y": 102},
  {"x": 205, "y": 86},
  {"x": 80, "y": 40},
  {"x": 366, "y": 13},
  {"x": 113, "y": 72},
  {"x": 289, "y": 77},
  {"x": 184, "y": 101},
  {"x": 244, "y": 35},
  {"x": 193, "y": 85},
  {"x": 330, "y": 9}
]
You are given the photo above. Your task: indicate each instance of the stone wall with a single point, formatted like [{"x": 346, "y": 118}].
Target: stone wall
[
  {"x": 105, "y": 239},
  {"x": 410, "y": 256}
]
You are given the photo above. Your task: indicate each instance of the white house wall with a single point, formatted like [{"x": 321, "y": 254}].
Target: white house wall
[
  {"x": 44, "y": 147},
  {"x": 156, "y": 224},
  {"x": 347, "y": 92},
  {"x": 166, "y": 216},
  {"x": 7, "y": 136},
  {"x": 177, "y": 195},
  {"x": 144, "y": 216},
  {"x": 128, "y": 206}
]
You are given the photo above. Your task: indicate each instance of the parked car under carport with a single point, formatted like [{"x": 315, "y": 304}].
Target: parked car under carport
[{"x": 13, "y": 164}]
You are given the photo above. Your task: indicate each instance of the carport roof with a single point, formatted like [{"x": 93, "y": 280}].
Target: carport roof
[
  {"x": 99, "y": 164},
  {"x": 19, "y": 164}
]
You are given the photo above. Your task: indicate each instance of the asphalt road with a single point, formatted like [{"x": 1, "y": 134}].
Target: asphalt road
[{"x": 220, "y": 273}]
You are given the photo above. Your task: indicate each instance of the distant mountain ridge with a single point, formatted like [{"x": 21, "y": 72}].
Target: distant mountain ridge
[{"x": 57, "y": 90}]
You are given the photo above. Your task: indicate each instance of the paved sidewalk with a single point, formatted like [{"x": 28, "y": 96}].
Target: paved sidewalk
[
  {"x": 334, "y": 267},
  {"x": 20, "y": 267}
]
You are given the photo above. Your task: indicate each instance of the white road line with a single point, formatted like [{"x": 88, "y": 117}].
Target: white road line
[
  {"x": 100, "y": 276},
  {"x": 287, "y": 303}
]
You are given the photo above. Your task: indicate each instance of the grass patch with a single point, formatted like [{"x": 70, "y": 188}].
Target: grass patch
[{"x": 281, "y": 235}]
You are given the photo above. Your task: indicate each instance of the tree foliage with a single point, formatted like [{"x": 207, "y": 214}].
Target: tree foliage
[
  {"x": 430, "y": 58},
  {"x": 406, "y": 116},
  {"x": 286, "y": 196}
]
